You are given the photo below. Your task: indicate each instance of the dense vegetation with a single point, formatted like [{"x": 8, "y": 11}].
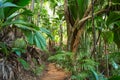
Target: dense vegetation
[{"x": 80, "y": 36}]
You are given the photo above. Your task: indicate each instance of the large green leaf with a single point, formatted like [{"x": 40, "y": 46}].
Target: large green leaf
[
  {"x": 44, "y": 30},
  {"x": 23, "y": 13},
  {"x": 39, "y": 40},
  {"x": 21, "y": 24},
  {"x": 12, "y": 16},
  {"x": 3, "y": 5},
  {"x": 15, "y": 22},
  {"x": 24, "y": 27},
  {"x": 35, "y": 38},
  {"x": 8, "y": 4},
  {"x": 20, "y": 3},
  {"x": 77, "y": 8},
  {"x": 27, "y": 12}
]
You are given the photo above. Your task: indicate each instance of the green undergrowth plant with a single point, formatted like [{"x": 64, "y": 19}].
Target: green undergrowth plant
[
  {"x": 38, "y": 69},
  {"x": 81, "y": 68},
  {"x": 17, "y": 34},
  {"x": 84, "y": 67},
  {"x": 63, "y": 58},
  {"x": 114, "y": 59}
]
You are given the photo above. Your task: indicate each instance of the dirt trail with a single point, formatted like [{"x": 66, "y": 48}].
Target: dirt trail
[{"x": 52, "y": 73}]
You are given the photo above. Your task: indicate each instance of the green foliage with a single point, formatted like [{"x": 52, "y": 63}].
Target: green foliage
[
  {"x": 114, "y": 62},
  {"x": 37, "y": 70},
  {"x": 80, "y": 67},
  {"x": 33, "y": 33},
  {"x": 80, "y": 6},
  {"x": 62, "y": 58},
  {"x": 40, "y": 41},
  {"x": 44, "y": 30},
  {"x": 95, "y": 74},
  {"x": 108, "y": 36},
  {"x": 79, "y": 76},
  {"x": 113, "y": 17},
  {"x": 114, "y": 56},
  {"x": 3, "y": 5},
  {"x": 10, "y": 10},
  {"x": 29, "y": 36},
  {"x": 115, "y": 1},
  {"x": 20, "y": 43},
  {"x": 3, "y": 48},
  {"x": 114, "y": 78},
  {"x": 12, "y": 15},
  {"x": 25, "y": 65},
  {"x": 116, "y": 31},
  {"x": 19, "y": 51}
]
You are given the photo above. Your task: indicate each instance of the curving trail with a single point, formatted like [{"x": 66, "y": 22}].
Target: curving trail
[{"x": 52, "y": 73}]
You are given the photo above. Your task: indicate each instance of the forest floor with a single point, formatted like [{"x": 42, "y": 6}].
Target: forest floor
[
  {"x": 51, "y": 72},
  {"x": 54, "y": 73}
]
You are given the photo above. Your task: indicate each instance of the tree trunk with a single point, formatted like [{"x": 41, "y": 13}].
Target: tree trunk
[
  {"x": 75, "y": 31},
  {"x": 61, "y": 36},
  {"x": 69, "y": 27}
]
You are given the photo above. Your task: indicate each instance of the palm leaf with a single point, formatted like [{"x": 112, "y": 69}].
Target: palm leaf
[
  {"x": 40, "y": 40},
  {"x": 20, "y": 3},
  {"x": 113, "y": 17},
  {"x": 77, "y": 8},
  {"x": 3, "y": 5},
  {"x": 8, "y": 4}
]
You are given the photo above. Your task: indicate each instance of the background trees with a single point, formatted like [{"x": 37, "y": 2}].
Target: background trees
[{"x": 89, "y": 29}]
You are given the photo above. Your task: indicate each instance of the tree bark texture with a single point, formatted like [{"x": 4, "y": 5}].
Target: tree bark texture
[{"x": 75, "y": 28}]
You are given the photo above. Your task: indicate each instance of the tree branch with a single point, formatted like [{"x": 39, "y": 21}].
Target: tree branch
[{"x": 88, "y": 17}]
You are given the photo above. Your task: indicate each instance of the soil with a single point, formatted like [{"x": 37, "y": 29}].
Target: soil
[{"x": 54, "y": 73}]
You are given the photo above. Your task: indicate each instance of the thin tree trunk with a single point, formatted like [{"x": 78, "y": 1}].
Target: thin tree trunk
[
  {"x": 32, "y": 5},
  {"x": 61, "y": 36},
  {"x": 69, "y": 27},
  {"x": 32, "y": 8},
  {"x": 107, "y": 64},
  {"x": 39, "y": 12},
  {"x": 93, "y": 30}
]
